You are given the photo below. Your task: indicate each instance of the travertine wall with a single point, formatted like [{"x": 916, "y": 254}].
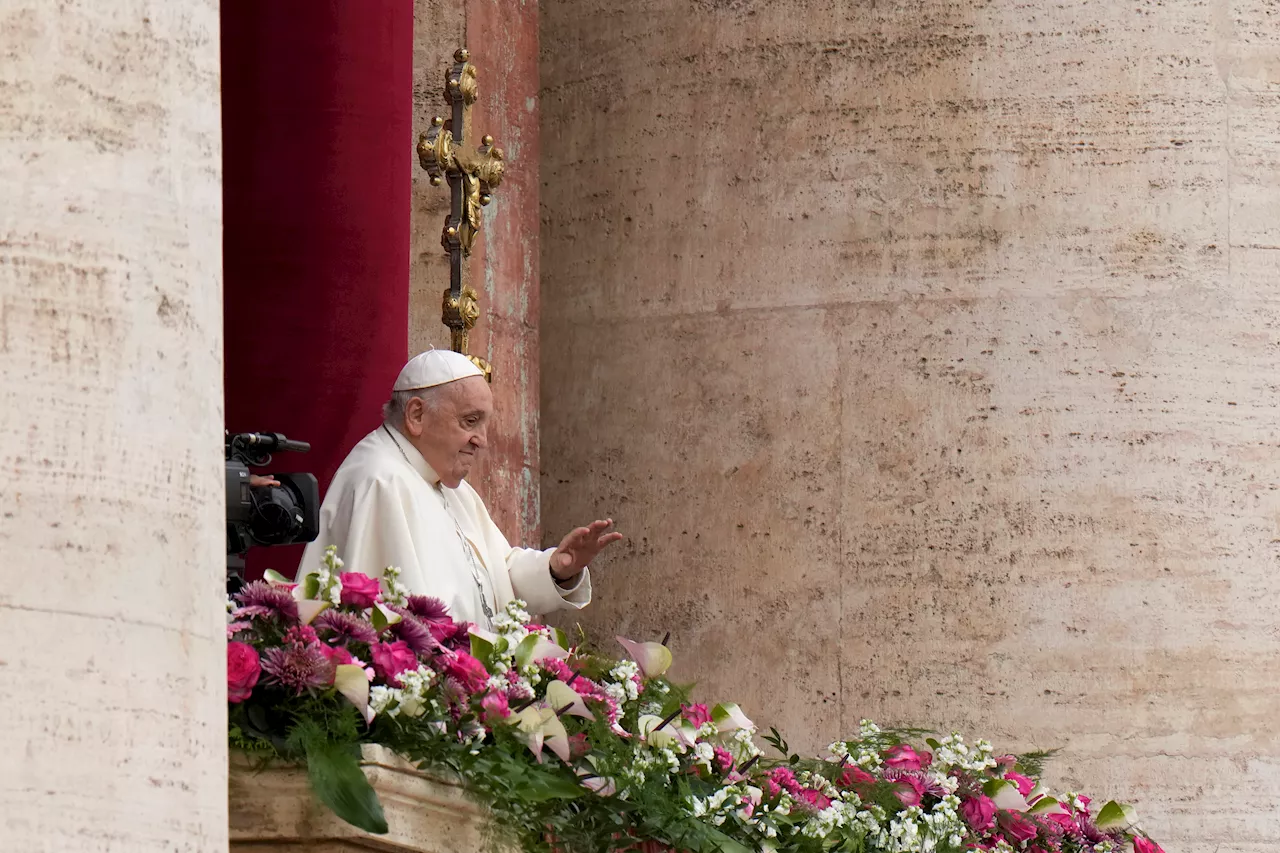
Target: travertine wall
[
  {"x": 503, "y": 38},
  {"x": 926, "y": 352},
  {"x": 111, "y": 489}
]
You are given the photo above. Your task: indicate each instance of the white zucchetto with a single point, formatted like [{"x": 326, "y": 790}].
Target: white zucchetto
[{"x": 435, "y": 367}]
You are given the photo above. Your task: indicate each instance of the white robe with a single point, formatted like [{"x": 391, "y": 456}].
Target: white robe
[{"x": 387, "y": 507}]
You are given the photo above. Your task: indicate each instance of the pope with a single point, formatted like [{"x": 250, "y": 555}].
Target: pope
[{"x": 400, "y": 498}]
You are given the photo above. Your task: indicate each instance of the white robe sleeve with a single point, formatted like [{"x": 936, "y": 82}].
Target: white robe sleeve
[
  {"x": 366, "y": 520},
  {"x": 530, "y": 572}
]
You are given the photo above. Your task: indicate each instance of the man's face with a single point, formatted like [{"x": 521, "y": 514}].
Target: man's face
[{"x": 450, "y": 430}]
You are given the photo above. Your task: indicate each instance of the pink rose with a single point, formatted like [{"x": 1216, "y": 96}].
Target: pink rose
[
  {"x": 1025, "y": 785},
  {"x": 337, "y": 655},
  {"x": 578, "y": 746},
  {"x": 391, "y": 659},
  {"x": 816, "y": 800},
  {"x": 854, "y": 777},
  {"x": 243, "y": 669},
  {"x": 469, "y": 671},
  {"x": 1017, "y": 827},
  {"x": 903, "y": 757},
  {"x": 359, "y": 590},
  {"x": 1145, "y": 845},
  {"x": 696, "y": 714},
  {"x": 978, "y": 812},
  {"x": 495, "y": 707}
]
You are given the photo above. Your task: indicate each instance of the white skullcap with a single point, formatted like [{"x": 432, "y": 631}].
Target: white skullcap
[{"x": 435, "y": 367}]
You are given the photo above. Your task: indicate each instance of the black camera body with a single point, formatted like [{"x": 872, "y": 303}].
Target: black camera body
[{"x": 265, "y": 515}]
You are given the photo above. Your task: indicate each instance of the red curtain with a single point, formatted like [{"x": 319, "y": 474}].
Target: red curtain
[{"x": 317, "y": 148}]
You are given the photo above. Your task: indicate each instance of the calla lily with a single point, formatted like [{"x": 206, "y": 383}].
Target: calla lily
[
  {"x": 274, "y": 578},
  {"x": 728, "y": 717},
  {"x": 653, "y": 658},
  {"x": 1046, "y": 806},
  {"x": 309, "y": 609},
  {"x": 1115, "y": 816},
  {"x": 650, "y": 728},
  {"x": 381, "y": 617},
  {"x": 1005, "y": 795},
  {"x": 308, "y": 587},
  {"x": 601, "y": 787},
  {"x": 350, "y": 680},
  {"x": 536, "y": 647},
  {"x": 541, "y": 727},
  {"x": 560, "y": 694}
]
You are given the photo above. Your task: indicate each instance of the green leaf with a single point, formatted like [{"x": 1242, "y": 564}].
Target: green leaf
[
  {"x": 482, "y": 650},
  {"x": 339, "y": 783},
  {"x": 1116, "y": 816}
]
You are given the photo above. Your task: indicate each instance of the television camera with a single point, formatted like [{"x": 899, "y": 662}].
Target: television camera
[{"x": 282, "y": 514}]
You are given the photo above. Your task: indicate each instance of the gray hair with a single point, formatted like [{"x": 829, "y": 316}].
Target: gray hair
[{"x": 394, "y": 409}]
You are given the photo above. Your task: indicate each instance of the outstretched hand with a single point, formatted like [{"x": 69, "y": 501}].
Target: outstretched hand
[{"x": 579, "y": 548}]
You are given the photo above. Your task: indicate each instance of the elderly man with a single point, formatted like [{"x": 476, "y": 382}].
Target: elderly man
[{"x": 399, "y": 499}]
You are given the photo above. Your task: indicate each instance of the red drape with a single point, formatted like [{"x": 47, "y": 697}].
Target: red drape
[{"x": 317, "y": 148}]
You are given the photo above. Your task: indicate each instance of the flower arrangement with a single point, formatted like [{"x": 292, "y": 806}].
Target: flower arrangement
[{"x": 576, "y": 751}]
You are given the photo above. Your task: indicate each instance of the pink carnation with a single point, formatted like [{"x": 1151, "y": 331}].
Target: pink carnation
[
  {"x": 979, "y": 812},
  {"x": 359, "y": 590},
  {"x": 495, "y": 707},
  {"x": 243, "y": 670},
  {"x": 1145, "y": 845},
  {"x": 391, "y": 659}
]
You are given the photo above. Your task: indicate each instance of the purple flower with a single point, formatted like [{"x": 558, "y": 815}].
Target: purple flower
[
  {"x": 427, "y": 609},
  {"x": 298, "y": 667},
  {"x": 345, "y": 628},
  {"x": 416, "y": 635},
  {"x": 261, "y": 599}
]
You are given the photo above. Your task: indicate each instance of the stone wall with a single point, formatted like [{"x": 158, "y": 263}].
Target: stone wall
[
  {"x": 923, "y": 350},
  {"x": 503, "y": 38},
  {"x": 111, "y": 483}
]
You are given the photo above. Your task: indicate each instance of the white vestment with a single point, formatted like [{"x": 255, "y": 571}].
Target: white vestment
[{"x": 387, "y": 507}]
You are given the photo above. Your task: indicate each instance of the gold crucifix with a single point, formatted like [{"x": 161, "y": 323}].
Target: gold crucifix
[{"x": 473, "y": 173}]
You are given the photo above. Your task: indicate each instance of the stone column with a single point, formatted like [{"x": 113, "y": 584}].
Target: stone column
[
  {"x": 111, "y": 481},
  {"x": 924, "y": 350}
]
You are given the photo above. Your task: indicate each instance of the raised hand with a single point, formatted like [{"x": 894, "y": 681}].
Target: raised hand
[{"x": 580, "y": 546}]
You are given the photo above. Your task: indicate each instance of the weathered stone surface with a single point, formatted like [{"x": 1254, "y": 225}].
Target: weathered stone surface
[
  {"x": 923, "y": 350},
  {"x": 274, "y": 810},
  {"x": 111, "y": 482},
  {"x": 503, "y": 38}
]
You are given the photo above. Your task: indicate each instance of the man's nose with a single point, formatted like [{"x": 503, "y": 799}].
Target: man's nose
[{"x": 480, "y": 440}]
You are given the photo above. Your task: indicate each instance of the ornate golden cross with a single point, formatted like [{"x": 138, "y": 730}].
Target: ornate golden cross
[{"x": 473, "y": 173}]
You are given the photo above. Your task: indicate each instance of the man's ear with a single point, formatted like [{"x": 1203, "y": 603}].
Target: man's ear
[{"x": 413, "y": 416}]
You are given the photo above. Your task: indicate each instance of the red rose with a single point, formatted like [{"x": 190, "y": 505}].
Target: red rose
[
  {"x": 1145, "y": 845},
  {"x": 359, "y": 590},
  {"x": 243, "y": 669}
]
